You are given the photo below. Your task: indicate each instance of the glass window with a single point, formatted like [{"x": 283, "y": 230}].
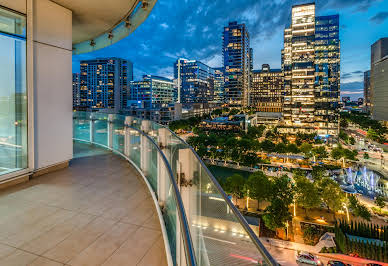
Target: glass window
[{"x": 13, "y": 92}]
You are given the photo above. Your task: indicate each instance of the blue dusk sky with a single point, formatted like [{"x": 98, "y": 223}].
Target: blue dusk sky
[{"x": 192, "y": 29}]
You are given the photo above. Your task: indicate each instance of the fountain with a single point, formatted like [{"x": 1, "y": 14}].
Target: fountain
[{"x": 361, "y": 180}]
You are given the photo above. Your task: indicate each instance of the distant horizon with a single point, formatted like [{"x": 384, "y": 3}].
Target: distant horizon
[{"x": 195, "y": 31}]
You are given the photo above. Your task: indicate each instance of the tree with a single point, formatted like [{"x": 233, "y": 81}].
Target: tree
[
  {"x": 337, "y": 153},
  {"x": 344, "y": 123},
  {"x": 331, "y": 194},
  {"x": 306, "y": 148},
  {"x": 366, "y": 156},
  {"x": 280, "y": 148},
  {"x": 358, "y": 209},
  {"x": 292, "y": 148},
  {"x": 380, "y": 202},
  {"x": 259, "y": 186},
  {"x": 234, "y": 185},
  {"x": 282, "y": 195},
  {"x": 307, "y": 194},
  {"x": 277, "y": 215},
  {"x": 267, "y": 146},
  {"x": 320, "y": 152}
]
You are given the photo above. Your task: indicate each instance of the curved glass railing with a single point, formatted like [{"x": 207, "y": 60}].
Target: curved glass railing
[{"x": 202, "y": 225}]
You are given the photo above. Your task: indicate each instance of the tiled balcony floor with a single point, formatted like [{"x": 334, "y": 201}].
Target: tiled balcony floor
[{"x": 96, "y": 212}]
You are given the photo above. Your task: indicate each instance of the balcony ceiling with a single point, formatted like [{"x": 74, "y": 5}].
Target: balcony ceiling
[{"x": 93, "y": 18}]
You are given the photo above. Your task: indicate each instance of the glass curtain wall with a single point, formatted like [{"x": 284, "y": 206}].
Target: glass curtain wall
[{"x": 13, "y": 92}]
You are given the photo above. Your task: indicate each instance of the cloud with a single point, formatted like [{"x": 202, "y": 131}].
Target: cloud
[
  {"x": 164, "y": 26},
  {"x": 194, "y": 31},
  {"x": 351, "y": 92},
  {"x": 379, "y": 17},
  {"x": 353, "y": 89}
]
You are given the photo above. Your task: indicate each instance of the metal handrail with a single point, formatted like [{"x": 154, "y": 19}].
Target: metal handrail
[
  {"x": 266, "y": 255},
  {"x": 186, "y": 235},
  {"x": 190, "y": 254}
]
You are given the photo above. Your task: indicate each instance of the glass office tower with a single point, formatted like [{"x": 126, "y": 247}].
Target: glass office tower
[
  {"x": 219, "y": 88},
  {"x": 195, "y": 81},
  {"x": 13, "y": 92},
  {"x": 267, "y": 88},
  {"x": 104, "y": 83},
  {"x": 152, "y": 91},
  {"x": 237, "y": 63},
  {"x": 311, "y": 65}
]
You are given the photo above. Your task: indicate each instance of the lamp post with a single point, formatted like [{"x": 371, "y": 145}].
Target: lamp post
[{"x": 347, "y": 212}]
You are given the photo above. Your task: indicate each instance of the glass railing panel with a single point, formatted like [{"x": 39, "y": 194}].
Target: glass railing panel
[
  {"x": 100, "y": 132},
  {"x": 118, "y": 136},
  {"x": 81, "y": 129}
]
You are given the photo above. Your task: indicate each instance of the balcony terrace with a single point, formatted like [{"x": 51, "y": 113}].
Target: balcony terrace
[{"x": 98, "y": 211}]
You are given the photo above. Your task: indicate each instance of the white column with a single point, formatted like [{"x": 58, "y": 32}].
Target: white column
[
  {"x": 145, "y": 153},
  {"x": 127, "y": 136},
  {"x": 163, "y": 140},
  {"x": 189, "y": 182},
  {"x": 92, "y": 125},
  {"x": 110, "y": 131}
]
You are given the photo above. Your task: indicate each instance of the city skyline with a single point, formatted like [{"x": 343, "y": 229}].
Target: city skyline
[{"x": 203, "y": 32}]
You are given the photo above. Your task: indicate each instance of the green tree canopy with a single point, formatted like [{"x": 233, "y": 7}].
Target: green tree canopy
[
  {"x": 259, "y": 186},
  {"x": 307, "y": 195},
  {"x": 234, "y": 185}
]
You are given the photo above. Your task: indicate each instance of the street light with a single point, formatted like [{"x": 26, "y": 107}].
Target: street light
[{"x": 347, "y": 212}]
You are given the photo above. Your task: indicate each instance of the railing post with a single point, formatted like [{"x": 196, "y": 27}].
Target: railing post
[
  {"x": 110, "y": 130},
  {"x": 189, "y": 182},
  {"x": 127, "y": 136},
  {"x": 92, "y": 125},
  {"x": 145, "y": 158},
  {"x": 163, "y": 140}
]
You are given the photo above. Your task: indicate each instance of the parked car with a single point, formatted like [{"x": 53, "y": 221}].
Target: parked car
[
  {"x": 337, "y": 263},
  {"x": 373, "y": 264},
  {"x": 308, "y": 258}
]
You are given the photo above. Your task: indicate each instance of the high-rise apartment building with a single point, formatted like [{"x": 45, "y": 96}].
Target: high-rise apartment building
[
  {"x": 379, "y": 79},
  {"x": 152, "y": 91},
  {"x": 104, "y": 83},
  {"x": 237, "y": 63},
  {"x": 311, "y": 65},
  {"x": 76, "y": 95},
  {"x": 219, "y": 85},
  {"x": 267, "y": 88},
  {"x": 195, "y": 81},
  {"x": 367, "y": 96}
]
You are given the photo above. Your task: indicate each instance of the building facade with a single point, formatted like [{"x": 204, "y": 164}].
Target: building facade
[
  {"x": 311, "y": 65},
  {"x": 195, "y": 82},
  {"x": 76, "y": 95},
  {"x": 267, "y": 88},
  {"x": 219, "y": 85},
  {"x": 104, "y": 83},
  {"x": 152, "y": 91},
  {"x": 379, "y": 80},
  {"x": 367, "y": 95},
  {"x": 237, "y": 63}
]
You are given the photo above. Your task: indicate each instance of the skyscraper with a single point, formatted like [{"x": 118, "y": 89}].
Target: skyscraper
[
  {"x": 267, "y": 87},
  {"x": 76, "y": 91},
  {"x": 195, "y": 81},
  {"x": 152, "y": 91},
  {"x": 237, "y": 63},
  {"x": 104, "y": 83},
  {"x": 219, "y": 87},
  {"x": 379, "y": 79},
  {"x": 311, "y": 65},
  {"x": 367, "y": 96}
]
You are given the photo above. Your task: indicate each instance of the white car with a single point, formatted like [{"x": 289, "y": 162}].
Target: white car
[{"x": 307, "y": 258}]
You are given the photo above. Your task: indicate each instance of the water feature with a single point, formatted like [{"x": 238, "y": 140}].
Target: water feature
[{"x": 362, "y": 180}]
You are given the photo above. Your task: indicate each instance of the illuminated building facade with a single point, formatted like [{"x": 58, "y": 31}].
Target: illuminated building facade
[
  {"x": 267, "y": 88},
  {"x": 367, "y": 95},
  {"x": 195, "y": 81},
  {"x": 76, "y": 97},
  {"x": 237, "y": 63},
  {"x": 379, "y": 80},
  {"x": 219, "y": 88},
  {"x": 311, "y": 65},
  {"x": 152, "y": 91},
  {"x": 104, "y": 83}
]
